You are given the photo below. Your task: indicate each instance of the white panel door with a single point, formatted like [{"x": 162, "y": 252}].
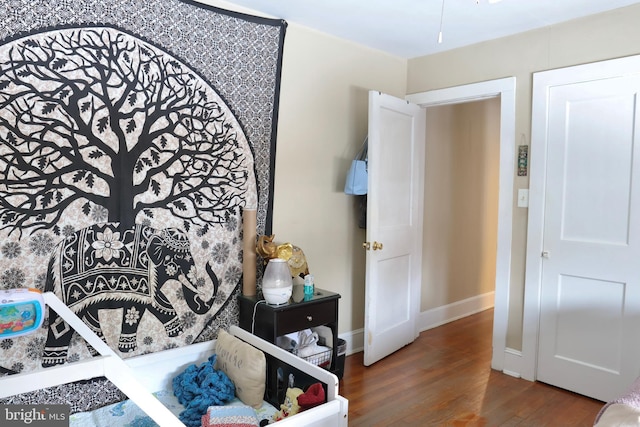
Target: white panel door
[
  {"x": 589, "y": 336},
  {"x": 394, "y": 224}
]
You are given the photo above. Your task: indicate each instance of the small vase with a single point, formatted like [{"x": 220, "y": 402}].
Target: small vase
[{"x": 277, "y": 284}]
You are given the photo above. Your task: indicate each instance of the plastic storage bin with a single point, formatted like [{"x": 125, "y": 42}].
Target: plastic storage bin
[{"x": 342, "y": 351}]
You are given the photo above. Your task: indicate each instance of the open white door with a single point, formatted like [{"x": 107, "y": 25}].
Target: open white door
[{"x": 394, "y": 224}]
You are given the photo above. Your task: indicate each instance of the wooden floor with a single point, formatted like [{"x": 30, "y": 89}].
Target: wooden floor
[{"x": 444, "y": 379}]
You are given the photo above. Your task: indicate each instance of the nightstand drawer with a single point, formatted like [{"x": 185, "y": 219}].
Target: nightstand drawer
[{"x": 306, "y": 317}]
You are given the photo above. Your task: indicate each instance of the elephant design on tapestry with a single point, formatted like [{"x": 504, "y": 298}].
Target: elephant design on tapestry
[
  {"x": 104, "y": 267},
  {"x": 125, "y": 164}
]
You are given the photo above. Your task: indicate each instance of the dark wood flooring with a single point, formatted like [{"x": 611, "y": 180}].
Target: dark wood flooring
[{"x": 444, "y": 378}]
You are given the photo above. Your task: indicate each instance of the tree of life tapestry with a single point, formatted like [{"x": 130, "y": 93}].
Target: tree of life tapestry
[{"x": 132, "y": 136}]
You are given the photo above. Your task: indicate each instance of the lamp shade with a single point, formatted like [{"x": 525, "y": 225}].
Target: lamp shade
[{"x": 277, "y": 284}]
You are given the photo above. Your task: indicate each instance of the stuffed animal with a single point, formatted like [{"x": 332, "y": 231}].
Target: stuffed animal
[
  {"x": 290, "y": 405},
  {"x": 314, "y": 396}
]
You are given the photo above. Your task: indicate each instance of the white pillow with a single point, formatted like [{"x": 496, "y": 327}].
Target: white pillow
[{"x": 245, "y": 365}]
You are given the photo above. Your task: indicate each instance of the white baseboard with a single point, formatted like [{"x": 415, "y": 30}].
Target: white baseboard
[
  {"x": 512, "y": 362},
  {"x": 448, "y": 313},
  {"x": 430, "y": 319},
  {"x": 354, "y": 340}
]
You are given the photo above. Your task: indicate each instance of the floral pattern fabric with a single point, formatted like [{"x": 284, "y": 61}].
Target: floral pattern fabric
[{"x": 76, "y": 166}]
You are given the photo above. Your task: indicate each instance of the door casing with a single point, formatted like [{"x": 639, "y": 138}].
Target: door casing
[{"x": 502, "y": 358}]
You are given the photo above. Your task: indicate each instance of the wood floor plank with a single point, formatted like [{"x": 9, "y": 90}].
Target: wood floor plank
[{"x": 444, "y": 379}]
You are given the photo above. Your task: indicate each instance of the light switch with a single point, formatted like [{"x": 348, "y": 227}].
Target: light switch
[{"x": 523, "y": 198}]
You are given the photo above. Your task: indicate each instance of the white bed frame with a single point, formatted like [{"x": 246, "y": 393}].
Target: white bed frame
[{"x": 139, "y": 376}]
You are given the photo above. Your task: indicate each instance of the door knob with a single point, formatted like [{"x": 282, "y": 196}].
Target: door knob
[
  {"x": 377, "y": 246},
  {"x": 366, "y": 245}
]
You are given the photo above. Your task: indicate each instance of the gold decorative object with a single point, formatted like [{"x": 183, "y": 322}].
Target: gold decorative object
[{"x": 294, "y": 256}]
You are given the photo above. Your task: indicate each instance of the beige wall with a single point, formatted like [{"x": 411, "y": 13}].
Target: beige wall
[
  {"x": 461, "y": 202},
  {"x": 604, "y": 36},
  {"x": 322, "y": 123}
]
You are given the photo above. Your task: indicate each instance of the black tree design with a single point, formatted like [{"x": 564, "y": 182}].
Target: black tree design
[{"x": 98, "y": 119}]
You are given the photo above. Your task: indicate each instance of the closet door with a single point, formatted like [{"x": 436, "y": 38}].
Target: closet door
[{"x": 590, "y": 281}]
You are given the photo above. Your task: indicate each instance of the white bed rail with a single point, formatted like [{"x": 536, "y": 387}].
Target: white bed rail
[
  {"x": 157, "y": 370},
  {"x": 109, "y": 365},
  {"x": 138, "y": 376},
  {"x": 333, "y": 413}
]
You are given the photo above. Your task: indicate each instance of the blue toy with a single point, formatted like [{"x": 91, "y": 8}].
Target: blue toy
[{"x": 21, "y": 312}]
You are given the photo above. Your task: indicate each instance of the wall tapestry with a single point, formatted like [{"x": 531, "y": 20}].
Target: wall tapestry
[{"x": 132, "y": 136}]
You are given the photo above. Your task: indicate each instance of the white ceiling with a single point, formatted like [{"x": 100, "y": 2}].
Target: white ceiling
[{"x": 409, "y": 28}]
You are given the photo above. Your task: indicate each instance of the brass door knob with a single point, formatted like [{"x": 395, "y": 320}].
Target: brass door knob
[
  {"x": 366, "y": 245},
  {"x": 377, "y": 245}
]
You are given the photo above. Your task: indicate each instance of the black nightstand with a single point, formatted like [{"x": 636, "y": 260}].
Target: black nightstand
[{"x": 272, "y": 321}]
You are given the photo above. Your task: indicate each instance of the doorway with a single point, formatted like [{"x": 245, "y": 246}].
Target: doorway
[
  {"x": 503, "y": 359},
  {"x": 461, "y": 206}
]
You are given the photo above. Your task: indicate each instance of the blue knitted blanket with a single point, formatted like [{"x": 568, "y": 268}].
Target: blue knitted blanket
[{"x": 199, "y": 387}]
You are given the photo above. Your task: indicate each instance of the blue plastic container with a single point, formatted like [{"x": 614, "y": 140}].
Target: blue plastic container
[{"x": 21, "y": 312}]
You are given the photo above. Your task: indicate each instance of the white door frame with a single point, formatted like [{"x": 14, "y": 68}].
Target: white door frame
[
  {"x": 538, "y": 161},
  {"x": 505, "y": 89}
]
